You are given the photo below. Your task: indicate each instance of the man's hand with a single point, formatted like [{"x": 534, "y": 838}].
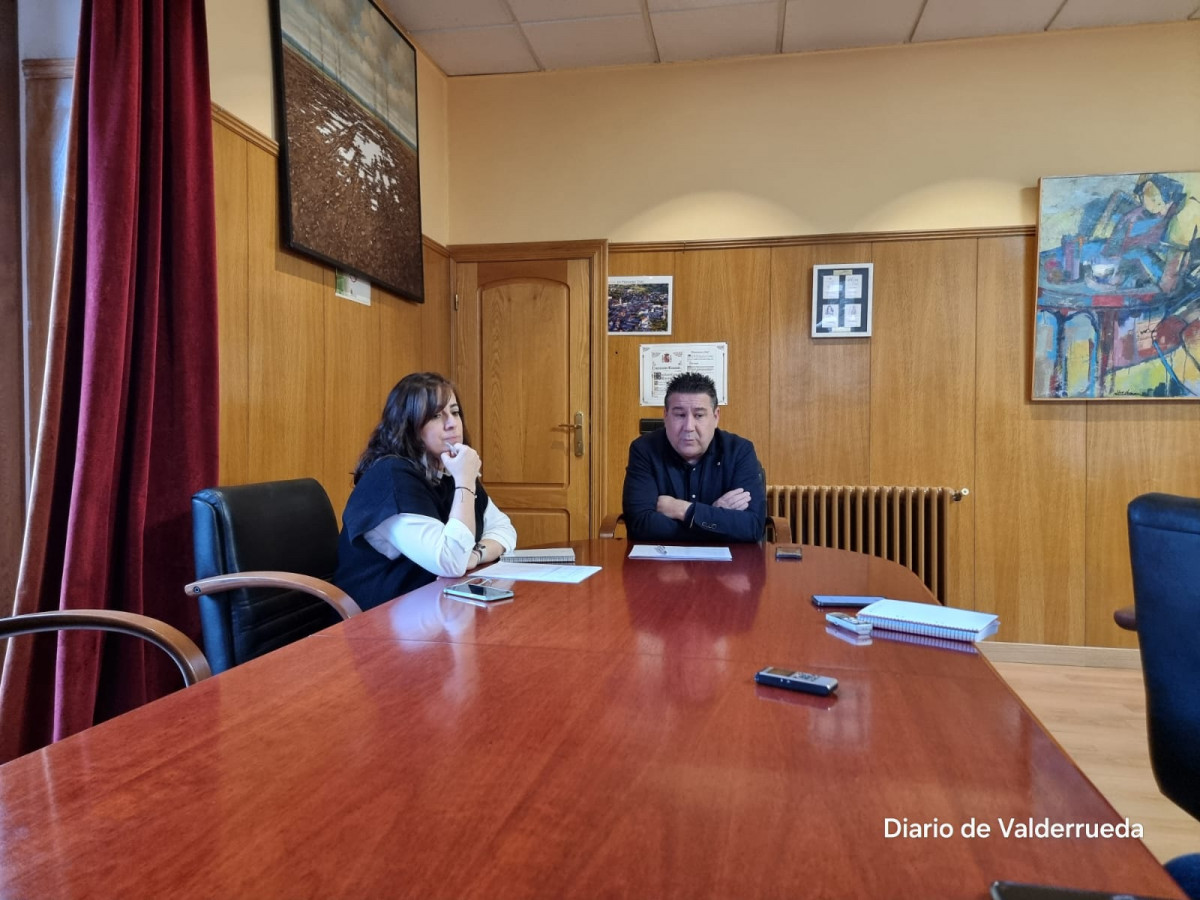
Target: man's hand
[
  {"x": 735, "y": 499},
  {"x": 672, "y": 507}
]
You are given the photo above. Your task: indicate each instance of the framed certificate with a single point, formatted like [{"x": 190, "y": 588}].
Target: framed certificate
[
  {"x": 662, "y": 362},
  {"x": 842, "y": 300}
]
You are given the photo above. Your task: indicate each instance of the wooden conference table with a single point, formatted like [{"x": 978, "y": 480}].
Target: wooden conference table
[{"x": 604, "y": 739}]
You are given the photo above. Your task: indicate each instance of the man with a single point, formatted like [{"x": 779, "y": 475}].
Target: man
[{"x": 690, "y": 481}]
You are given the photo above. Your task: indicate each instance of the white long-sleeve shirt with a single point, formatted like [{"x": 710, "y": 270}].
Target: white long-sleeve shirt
[{"x": 443, "y": 548}]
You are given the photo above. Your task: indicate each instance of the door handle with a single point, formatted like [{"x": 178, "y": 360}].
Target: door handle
[{"x": 578, "y": 429}]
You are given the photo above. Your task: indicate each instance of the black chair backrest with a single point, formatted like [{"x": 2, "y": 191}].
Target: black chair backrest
[
  {"x": 285, "y": 526},
  {"x": 1164, "y": 549}
]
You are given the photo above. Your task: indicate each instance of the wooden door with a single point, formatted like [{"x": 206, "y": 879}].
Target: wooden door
[{"x": 524, "y": 333}]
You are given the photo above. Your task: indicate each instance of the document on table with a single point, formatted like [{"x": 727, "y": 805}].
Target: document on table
[
  {"x": 538, "y": 572},
  {"x": 659, "y": 551}
]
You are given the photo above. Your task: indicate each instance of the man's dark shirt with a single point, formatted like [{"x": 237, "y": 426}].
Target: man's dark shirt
[{"x": 655, "y": 468}]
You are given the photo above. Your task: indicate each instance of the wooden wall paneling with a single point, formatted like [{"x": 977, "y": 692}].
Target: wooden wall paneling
[
  {"x": 401, "y": 350},
  {"x": 724, "y": 295},
  {"x": 415, "y": 337},
  {"x": 434, "y": 316},
  {"x": 352, "y": 387},
  {"x": 820, "y": 387},
  {"x": 12, "y": 317},
  {"x": 620, "y": 419},
  {"x": 233, "y": 307},
  {"x": 923, "y": 380},
  {"x": 286, "y": 340},
  {"x": 1029, "y": 493},
  {"x": 1132, "y": 448}
]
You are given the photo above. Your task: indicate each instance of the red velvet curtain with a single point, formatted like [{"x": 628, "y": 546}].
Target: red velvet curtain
[{"x": 129, "y": 428}]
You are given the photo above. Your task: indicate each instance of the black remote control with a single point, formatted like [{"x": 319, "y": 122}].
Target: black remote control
[{"x": 797, "y": 681}]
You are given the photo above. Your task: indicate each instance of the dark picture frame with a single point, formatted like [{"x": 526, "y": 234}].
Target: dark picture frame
[
  {"x": 346, "y": 106},
  {"x": 843, "y": 300}
]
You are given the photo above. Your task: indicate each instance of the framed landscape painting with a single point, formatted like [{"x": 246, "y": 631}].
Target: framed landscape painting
[
  {"x": 1118, "y": 288},
  {"x": 346, "y": 89}
]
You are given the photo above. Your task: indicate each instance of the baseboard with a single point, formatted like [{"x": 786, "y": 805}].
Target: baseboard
[{"x": 1056, "y": 655}]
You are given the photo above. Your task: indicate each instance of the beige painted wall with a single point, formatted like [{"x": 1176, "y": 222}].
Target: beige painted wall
[
  {"x": 239, "y": 50},
  {"x": 943, "y": 135}
]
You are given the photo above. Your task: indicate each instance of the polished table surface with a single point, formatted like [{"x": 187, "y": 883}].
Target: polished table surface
[{"x": 604, "y": 739}]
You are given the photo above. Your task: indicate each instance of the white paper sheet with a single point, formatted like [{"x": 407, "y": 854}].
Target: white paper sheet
[
  {"x": 659, "y": 551},
  {"x": 538, "y": 572}
]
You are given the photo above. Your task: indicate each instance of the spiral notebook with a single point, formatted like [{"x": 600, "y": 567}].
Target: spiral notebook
[
  {"x": 558, "y": 555},
  {"x": 930, "y": 620},
  {"x": 921, "y": 640}
]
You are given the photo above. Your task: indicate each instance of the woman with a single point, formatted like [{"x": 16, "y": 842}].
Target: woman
[{"x": 418, "y": 509}]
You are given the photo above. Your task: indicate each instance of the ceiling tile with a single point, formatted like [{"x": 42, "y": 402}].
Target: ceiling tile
[
  {"x": 825, "y": 25},
  {"x": 946, "y": 19},
  {"x": 477, "y": 51},
  {"x": 578, "y": 43},
  {"x": 421, "y": 15},
  {"x": 743, "y": 30},
  {"x": 555, "y": 10},
  {"x": 672, "y": 5},
  {"x": 1097, "y": 13}
]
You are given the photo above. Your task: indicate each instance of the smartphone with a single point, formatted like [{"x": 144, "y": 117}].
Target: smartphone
[
  {"x": 1012, "y": 890},
  {"x": 478, "y": 590},
  {"x": 842, "y": 600}
]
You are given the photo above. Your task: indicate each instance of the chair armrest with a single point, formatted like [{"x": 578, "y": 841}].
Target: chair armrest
[
  {"x": 779, "y": 530},
  {"x": 290, "y": 581},
  {"x": 1126, "y": 618},
  {"x": 177, "y": 645},
  {"x": 608, "y": 528}
]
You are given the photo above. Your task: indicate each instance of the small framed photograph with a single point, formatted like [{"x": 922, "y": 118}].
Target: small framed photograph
[
  {"x": 842, "y": 300},
  {"x": 640, "y": 304}
]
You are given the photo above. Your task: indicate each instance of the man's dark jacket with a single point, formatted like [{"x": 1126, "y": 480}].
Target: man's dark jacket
[{"x": 655, "y": 468}]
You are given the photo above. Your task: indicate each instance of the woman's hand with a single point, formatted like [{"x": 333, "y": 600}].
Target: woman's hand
[{"x": 463, "y": 464}]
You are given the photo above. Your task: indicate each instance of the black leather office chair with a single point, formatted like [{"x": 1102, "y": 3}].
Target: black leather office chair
[
  {"x": 1164, "y": 550},
  {"x": 264, "y": 553},
  {"x": 182, "y": 650}
]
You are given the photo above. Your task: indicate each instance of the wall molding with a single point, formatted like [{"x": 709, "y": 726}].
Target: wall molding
[
  {"x": 1062, "y": 655},
  {"x": 852, "y": 237},
  {"x": 224, "y": 117},
  {"x": 48, "y": 68}
]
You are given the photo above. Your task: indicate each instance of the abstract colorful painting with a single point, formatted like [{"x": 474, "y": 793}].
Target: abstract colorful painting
[
  {"x": 1118, "y": 288},
  {"x": 346, "y": 89}
]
